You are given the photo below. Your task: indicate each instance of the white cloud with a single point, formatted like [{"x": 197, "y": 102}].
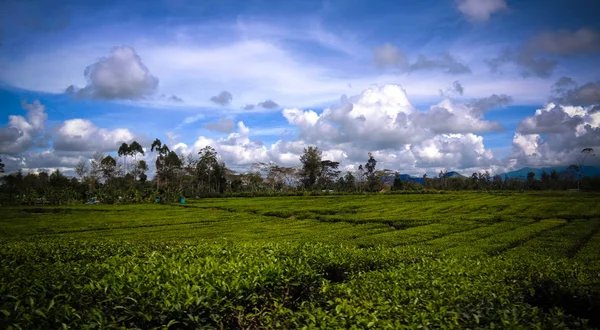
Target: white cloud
[
  {"x": 22, "y": 132},
  {"x": 122, "y": 75},
  {"x": 588, "y": 94},
  {"x": 480, "y": 10},
  {"x": 82, "y": 135},
  {"x": 222, "y": 99},
  {"x": 268, "y": 104},
  {"x": 555, "y": 135},
  {"x": 383, "y": 118},
  {"x": 237, "y": 149},
  {"x": 252, "y": 65}
]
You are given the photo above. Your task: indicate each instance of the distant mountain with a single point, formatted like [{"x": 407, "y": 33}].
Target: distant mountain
[
  {"x": 390, "y": 178},
  {"x": 405, "y": 177},
  {"x": 453, "y": 174},
  {"x": 418, "y": 179},
  {"x": 591, "y": 171}
]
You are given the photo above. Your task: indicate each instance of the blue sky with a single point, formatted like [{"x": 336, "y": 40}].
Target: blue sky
[{"x": 460, "y": 85}]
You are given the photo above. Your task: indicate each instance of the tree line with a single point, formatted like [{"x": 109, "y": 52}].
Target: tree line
[{"x": 124, "y": 179}]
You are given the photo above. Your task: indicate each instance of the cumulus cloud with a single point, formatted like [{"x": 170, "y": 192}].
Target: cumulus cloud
[
  {"x": 529, "y": 63},
  {"x": 81, "y": 135},
  {"x": 555, "y": 135},
  {"x": 47, "y": 159},
  {"x": 222, "y": 99},
  {"x": 224, "y": 125},
  {"x": 552, "y": 119},
  {"x": 237, "y": 149},
  {"x": 25, "y": 140},
  {"x": 391, "y": 56},
  {"x": 537, "y": 56},
  {"x": 121, "y": 75},
  {"x": 566, "y": 91},
  {"x": 446, "y": 63},
  {"x": 388, "y": 55},
  {"x": 461, "y": 151},
  {"x": 491, "y": 102},
  {"x": 248, "y": 107},
  {"x": 382, "y": 120},
  {"x": 450, "y": 117},
  {"x": 21, "y": 133},
  {"x": 480, "y": 10},
  {"x": 562, "y": 85},
  {"x": 268, "y": 104}
]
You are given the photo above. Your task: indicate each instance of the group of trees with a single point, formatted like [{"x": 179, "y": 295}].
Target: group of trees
[{"x": 124, "y": 179}]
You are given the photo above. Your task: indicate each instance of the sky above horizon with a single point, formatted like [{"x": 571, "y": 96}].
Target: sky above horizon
[{"x": 463, "y": 85}]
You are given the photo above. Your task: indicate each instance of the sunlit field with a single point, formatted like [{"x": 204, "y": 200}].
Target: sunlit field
[{"x": 510, "y": 260}]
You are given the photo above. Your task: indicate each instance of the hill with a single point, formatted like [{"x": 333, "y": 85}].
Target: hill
[{"x": 522, "y": 173}]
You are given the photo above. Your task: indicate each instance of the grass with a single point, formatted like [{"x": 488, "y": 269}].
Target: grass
[{"x": 517, "y": 260}]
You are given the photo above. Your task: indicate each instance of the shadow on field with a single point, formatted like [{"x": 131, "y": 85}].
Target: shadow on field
[{"x": 585, "y": 305}]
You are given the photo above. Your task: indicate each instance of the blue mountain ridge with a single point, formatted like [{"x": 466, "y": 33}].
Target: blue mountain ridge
[{"x": 591, "y": 171}]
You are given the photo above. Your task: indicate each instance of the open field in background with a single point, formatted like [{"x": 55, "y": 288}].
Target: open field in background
[{"x": 488, "y": 260}]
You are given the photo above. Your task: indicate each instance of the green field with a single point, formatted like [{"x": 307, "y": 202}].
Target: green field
[{"x": 454, "y": 260}]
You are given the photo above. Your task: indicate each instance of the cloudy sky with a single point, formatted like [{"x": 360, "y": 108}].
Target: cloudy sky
[{"x": 465, "y": 85}]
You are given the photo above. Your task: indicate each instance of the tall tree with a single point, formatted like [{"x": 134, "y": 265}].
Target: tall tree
[
  {"x": 530, "y": 179},
  {"x": 135, "y": 149},
  {"x": 1, "y": 166},
  {"x": 108, "y": 166},
  {"x": 370, "y": 174},
  {"x": 399, "y": 185},
  {"x": 161, "y": 159},
  {"x": 554, "y": 179},
  {"x": 329, "y": 173},
  {"x": 124, "y": 152},
  {"x": 210, "y": 170},
  {"x": 81, "y": 169},
  {"x": 350, "y": 181},
  {"x": 311, "y": 166},
  {"x": 140, "y": 170},
  {"x": 95, "y": 166},
  {"x": 545, "y": 178}
]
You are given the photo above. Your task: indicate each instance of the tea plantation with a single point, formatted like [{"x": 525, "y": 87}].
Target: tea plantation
[{"x": 454, "y": 260}]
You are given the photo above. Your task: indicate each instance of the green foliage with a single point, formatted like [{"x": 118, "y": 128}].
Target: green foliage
[
  {"x": 311, "y": 166},
  {"x": 52, "y": 284},
  {"x": 455, "y": 260}
]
